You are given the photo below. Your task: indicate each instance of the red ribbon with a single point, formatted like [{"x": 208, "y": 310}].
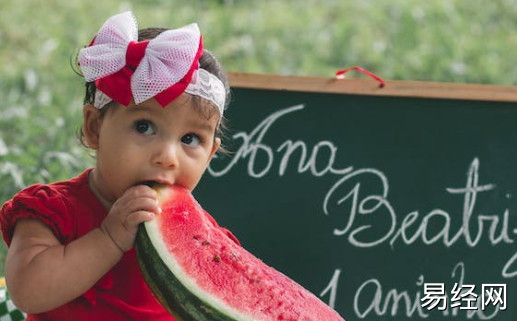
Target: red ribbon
[
  {"x": 340, "y": 74},
  {"x": 118, "y": 85}
]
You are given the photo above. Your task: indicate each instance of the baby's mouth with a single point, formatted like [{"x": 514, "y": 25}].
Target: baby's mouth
[
  {"x": 148, "y": 183},
  {"x": 151, "y": 184}
]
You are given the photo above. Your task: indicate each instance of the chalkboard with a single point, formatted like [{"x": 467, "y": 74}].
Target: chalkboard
[{"x": 394, "y": 203}]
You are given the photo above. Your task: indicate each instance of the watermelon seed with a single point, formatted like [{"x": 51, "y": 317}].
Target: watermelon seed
[
  {"x": 217, "y": 258},
  {"x": 196, "y": 237},
  {"x": 205, "y": 243},
  {"x": 206, "y": 309}
]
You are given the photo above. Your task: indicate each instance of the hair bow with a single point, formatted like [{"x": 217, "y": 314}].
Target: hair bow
[{"x": 124, "y": 68}]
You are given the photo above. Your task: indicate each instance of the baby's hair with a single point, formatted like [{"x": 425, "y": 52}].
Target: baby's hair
[{"x": 207, "y": 62}]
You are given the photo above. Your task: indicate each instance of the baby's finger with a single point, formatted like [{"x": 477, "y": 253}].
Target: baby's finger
[
  {"x": 142, "y": 204},
  {"x": 135, "y": 218},
  {"x": 136, "y": 192}
]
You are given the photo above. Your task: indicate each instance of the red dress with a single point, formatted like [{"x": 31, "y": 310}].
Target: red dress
[{"x": 71, "y": 210}]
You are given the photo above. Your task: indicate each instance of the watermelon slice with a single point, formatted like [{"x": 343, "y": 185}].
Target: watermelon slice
[{"x": 198, "y": 270}]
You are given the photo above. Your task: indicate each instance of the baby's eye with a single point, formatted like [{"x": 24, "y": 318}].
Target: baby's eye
[
  {"x": 144, "y": 127},
  {"x": 192, "y": 140}
]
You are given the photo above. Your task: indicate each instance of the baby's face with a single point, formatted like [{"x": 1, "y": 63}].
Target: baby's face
[{"x": 147, "y": 143}]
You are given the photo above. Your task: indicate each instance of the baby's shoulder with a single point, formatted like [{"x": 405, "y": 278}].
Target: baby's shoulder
[
  {"x": 38, "y": 196},
  {"x": 53, "y": 195},
  {"x": 50, "y": 203}
]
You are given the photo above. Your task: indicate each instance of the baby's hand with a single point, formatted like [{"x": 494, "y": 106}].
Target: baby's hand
[{"x": 138, "y": 204}]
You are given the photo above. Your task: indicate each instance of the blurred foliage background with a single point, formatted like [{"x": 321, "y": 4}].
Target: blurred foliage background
[{"x": 471, "y": 41}]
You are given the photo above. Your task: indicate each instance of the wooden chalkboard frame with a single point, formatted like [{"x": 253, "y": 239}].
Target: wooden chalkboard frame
[{"x": 397, "y": 88}]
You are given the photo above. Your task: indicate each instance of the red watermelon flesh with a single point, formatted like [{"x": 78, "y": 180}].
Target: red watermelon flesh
[{"x": 213, "y": 266}]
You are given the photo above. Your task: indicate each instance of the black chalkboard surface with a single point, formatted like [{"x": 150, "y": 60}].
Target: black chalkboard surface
[{"x": 384, "y": 202}]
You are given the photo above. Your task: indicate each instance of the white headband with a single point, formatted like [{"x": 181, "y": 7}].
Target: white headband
[{"x": 203, "y": 84}]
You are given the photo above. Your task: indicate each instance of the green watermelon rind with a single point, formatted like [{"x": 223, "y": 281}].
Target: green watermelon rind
[{"x": 177, "y": 293}]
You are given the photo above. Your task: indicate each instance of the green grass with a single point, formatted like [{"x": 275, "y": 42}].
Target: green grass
[{"x": 40, "y": 110}]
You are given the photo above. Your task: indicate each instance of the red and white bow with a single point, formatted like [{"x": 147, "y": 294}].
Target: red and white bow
[{"x": 126, "y": 69}]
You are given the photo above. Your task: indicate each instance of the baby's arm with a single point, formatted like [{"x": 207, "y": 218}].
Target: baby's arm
[{"x": 43, "y": 274}]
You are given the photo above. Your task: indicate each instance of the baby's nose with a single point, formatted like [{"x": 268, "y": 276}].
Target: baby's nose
[{"x": 167, "y": 155}]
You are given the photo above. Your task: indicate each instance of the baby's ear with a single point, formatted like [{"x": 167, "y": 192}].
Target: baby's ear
[
  {"x": 91, "y": 125},
  {"x": 215, "y": 147}
]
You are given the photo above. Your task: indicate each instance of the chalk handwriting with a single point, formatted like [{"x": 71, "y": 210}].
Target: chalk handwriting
[
  {"x": 507, "y": 269},
  {"x": 332, "y": 289},
  {"x": 253, "y": 146},
  {"x": 358, "y": 204},
  {"x": 371, "y": 298}
]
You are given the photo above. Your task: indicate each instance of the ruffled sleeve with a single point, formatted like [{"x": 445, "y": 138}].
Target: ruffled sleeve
[{"x": 41, "y": 202}]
